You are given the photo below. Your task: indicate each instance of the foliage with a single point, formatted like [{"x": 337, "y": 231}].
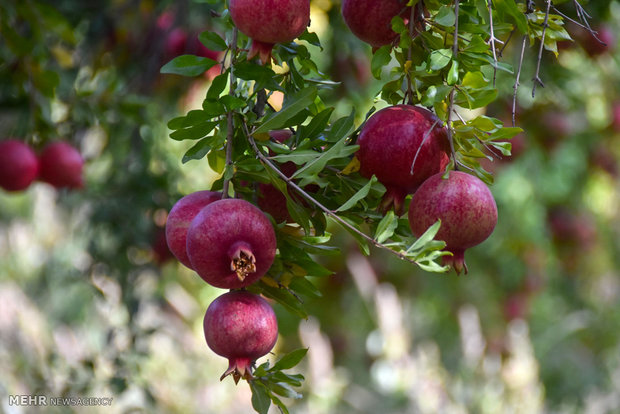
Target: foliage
[{"x": 66, "y": 75}]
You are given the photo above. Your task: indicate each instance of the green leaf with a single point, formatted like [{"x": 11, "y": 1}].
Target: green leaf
[
  {"x": 218, "y": 84},
  {"x": 194, "y": 132},
  {"x": 305, "y": 287},
  {"x": 425, "y": 238},
  {"x": 260, "y": 397},
  {"x": 295, "y": 105},
  {"x": 284, "y": 390},
  {"x": 264, "y": 76},
  {"x": 380, "y": 59},
  {"x": 317, "y": 124},
  {"x": 188, "y": 65},
  {"x": 445, "y": 16},
  {"x": 290, "y": 360},
  {"x": 192, "y": 118},
  {"x": 360, "y": 194},
  {"x": 198, "y": 151},
  {"x": 341, "y": 128},
  {"x": 440, "y": 59},
  {"x": 311, "y": 38},
  {"x": 212, "y": 41},
  {"x": 386, "y": 227},
  {"x": 232, "y": 102},
  {"x": 453, "y": 73},
  {"x": 217, "y": 160}
]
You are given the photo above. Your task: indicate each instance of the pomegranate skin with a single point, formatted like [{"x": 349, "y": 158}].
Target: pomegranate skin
[
  {"x": 231, "y": 244},
  {"x": 268, "y": 22},
  {"x": 466, "y": 208},
  {"x": 242, "y": 327},
  {"x": 61, "y": 166},
  {"x": 371, "y": 20},
  {"x": 179, "y": 219},
  {"x": 18, "y": 165},
  {"x": 388, "y": 144}
]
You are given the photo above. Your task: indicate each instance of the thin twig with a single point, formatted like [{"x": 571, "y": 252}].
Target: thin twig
[
  {"x": 490, "y": 5},
  {"x": 455, "y": 51},
  {"x": 516, "y": 85},
  {"x": 427, "y": 134},
  {"x": 409, "y": 53},
  {"x": 537, "y": 80},
  {"x": 265, "y": 160},
  {"x": 229, "y": 117},
  {"x": 501, "y": 51}
]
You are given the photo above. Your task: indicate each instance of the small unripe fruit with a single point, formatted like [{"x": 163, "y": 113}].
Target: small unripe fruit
[
  {"x": 242, "y": 327},
  {"x": 268, "y": 22},
  {"x": 61, "y": 166},
  {"x": 231, "y": 243},
  {"x": 389, "y": 143},
  {"x": 18, "y": 165},
  {"x": 179, "y": 219},
  {"x": 464, "y": 205}
]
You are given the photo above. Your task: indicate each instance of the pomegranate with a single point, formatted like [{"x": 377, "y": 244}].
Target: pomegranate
[
  {"x": 605, "y": 43},
  {"x": 61, "y": 165},
  {"x": 231, "y": 243},
  {"x": 18, "y": 165},
  {"x": 242, "y": 327},
  {"x": 179, "y": 219},
  {"x": 465, "y": 207},
  {"x": 389, "y": 142},
  {"x": 268, "y": 22},
  {"x": 371, "y": 20}
]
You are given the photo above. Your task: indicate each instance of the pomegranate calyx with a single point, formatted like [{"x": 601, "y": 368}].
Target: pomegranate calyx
[
  {"x": 242, "y": 261},
  {"x": 456, "y": 261},
  {"x": 262, "y": 50},
  {"x": 239, "y": 368}
]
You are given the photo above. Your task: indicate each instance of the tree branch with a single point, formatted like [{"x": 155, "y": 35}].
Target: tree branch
[
  {"x": 537, "y": 80},
  {"x": 516, "y": 85},
  {"x": 265, "y": 161},
  {"x": 229, "y": 117},
  {"x": 492, "y": 40}
]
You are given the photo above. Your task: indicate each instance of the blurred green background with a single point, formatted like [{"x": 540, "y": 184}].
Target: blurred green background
[{"x": 92, "y": 305}]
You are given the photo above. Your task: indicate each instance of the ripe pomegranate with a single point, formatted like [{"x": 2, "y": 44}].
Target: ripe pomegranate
[
  {"x": 388, "y": 144},
  {"x": 242, "y": 327},
  {"x": 179, "y": 219},
  {"x": 18, "y": 165},
  {"x": 231, "y": 243},
  {"x": 269, "y": 22},
  {"x": 466, "y": 208},
  {"x": 371, "y": 20},
  {"x": 61, "y": 165}
]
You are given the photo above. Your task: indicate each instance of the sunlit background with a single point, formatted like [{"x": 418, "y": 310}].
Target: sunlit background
[{"x": 91, "y": 304}]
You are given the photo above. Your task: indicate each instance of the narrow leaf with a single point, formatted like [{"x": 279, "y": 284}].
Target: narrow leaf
[
  {"x": 188, "y": 65},
  {"x": 360, "y": 194}
]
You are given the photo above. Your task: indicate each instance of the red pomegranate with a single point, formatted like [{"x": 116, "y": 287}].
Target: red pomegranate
[
  {"x": 371, "y": 20},
  {"x": 242, "y": 327},
  {"x": 465, "y": 207},
  {"x": 268, "y": 22},
  {"x": 61, "y": 165},
  {"x": 179, "y": 219},
  {"x": 389, "y": 142},
  {"x": 18, "y": 165},
  {"x": 231, "y": 243}
]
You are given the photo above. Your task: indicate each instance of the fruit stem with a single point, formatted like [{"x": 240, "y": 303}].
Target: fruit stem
[
  {"x": 262, "y": 50},
  {"x": 456, "y": 261},
  {"x": 229, "y": 118},
  {"x": 242, "y": 260}
]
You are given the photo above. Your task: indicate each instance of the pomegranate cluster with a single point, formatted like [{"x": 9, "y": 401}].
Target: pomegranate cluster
[
  {"x": 231, "y": 244},
  {"x": 59, "y": 164},
  {"x": 406, "y": 147}
]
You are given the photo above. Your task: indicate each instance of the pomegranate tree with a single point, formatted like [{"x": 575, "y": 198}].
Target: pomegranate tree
[
  {"x": 61, "y": 165},
  {"x": 389, "y": 143},
  {"x": 465, "y": 207},
  {"x": 242, "y": 327},
  {"x": 231, "y": 243},
  {"x": 179, "y": 219},
  {"x": 268, "y": 22},
  {"x": 371, "y": 20},
  {"x": 18, "y": 165}
]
